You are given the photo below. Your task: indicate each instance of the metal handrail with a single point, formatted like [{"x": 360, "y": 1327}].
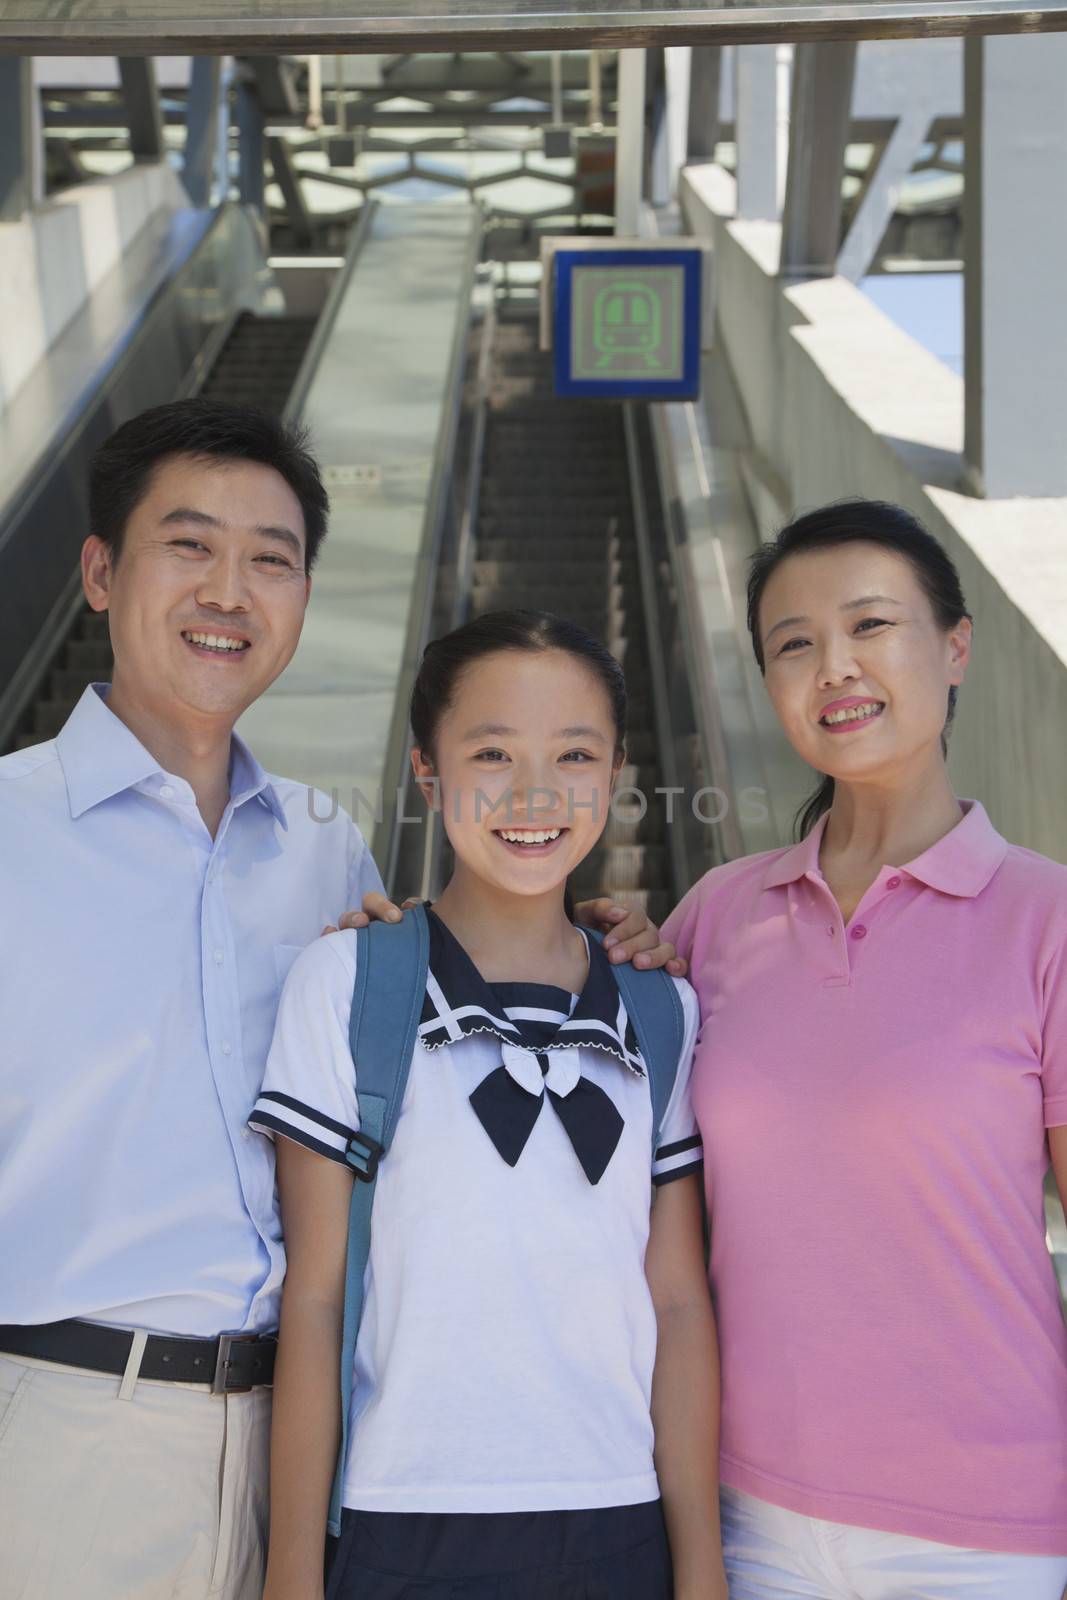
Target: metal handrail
[
  {"x": 357, "y": 238},
  {"x": 427, "y": 572}
]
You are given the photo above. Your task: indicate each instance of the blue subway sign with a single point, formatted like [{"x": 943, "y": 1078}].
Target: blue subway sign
[{"x": 626, "y": 323}]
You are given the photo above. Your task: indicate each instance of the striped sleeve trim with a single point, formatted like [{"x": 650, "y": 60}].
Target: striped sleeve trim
[
  {"x": 281, "y": 1113},
  {"x": 677, "y": 1160}
]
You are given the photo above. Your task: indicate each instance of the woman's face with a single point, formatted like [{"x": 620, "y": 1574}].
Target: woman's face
[
  {"x": 524, "y": 760},
  {"x": 857, "y": 667}
]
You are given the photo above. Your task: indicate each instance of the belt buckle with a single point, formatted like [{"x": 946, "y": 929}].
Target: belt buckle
[{"x": 220, "y": 1383}]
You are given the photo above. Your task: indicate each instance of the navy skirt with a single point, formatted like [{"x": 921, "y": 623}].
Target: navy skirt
[{"x": 616, "y": 1554}]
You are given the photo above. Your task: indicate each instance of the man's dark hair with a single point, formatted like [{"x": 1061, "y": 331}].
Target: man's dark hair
[{"x": 122, "y": 467}]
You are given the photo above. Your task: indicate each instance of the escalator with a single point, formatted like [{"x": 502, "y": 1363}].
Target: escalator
[
  {"x": 557, "y": 530},
  {"x": 258, "y": 366}
]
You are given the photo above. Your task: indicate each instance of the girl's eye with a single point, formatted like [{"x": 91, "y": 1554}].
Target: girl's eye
[{"x": 579, "y": 756}]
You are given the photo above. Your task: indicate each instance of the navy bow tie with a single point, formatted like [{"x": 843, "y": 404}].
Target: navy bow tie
[{"x": 508, "y": 1103}]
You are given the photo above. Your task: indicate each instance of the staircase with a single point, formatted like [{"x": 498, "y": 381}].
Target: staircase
[
  {"x": 257, "y": 366},
  {"x": 555, "y": 533}
]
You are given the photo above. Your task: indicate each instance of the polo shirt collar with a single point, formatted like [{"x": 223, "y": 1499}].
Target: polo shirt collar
[
  {"x": 962, "y": 863},
  {"x": 459, "y": 1002},
  {"x": 101, "y": 757}
]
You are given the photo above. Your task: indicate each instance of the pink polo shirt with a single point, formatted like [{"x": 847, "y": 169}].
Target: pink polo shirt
[{"x": 873, "y": 1100}]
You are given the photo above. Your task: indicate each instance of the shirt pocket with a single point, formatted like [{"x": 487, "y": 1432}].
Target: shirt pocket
[{"x": 284, "y": 956}]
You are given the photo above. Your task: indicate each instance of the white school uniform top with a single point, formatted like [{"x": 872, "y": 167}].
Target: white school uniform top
[
  {"x": 141, "y": 965},
  {"x": 505, "y": 1356}
]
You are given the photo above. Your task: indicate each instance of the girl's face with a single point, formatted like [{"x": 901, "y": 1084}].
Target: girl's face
[
  {"x": 856, "y": 664},
  {"x": 524, "y": 761}
]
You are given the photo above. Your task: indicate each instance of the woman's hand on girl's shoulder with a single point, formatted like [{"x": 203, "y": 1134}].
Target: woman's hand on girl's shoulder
[{"x": 630, "y": 935}]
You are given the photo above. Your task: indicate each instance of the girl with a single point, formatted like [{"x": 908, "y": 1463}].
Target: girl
[
  {"x": 894, "y": 1356},
  {"x": 536, "y": 1364}
]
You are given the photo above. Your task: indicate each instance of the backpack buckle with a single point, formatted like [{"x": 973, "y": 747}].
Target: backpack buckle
[{"x": 363, "y": 1155}]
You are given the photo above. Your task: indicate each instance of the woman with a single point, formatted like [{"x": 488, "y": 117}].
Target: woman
[
  {"x": 508, "y": 1435},
  {"x": 881, "y": 1071}
]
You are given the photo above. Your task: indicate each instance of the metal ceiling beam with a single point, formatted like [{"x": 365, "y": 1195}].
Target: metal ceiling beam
[
  {"x": 819, "y": 123},
  {"x": 140, "y": 93},
  {"x": 139, "y": 27}
]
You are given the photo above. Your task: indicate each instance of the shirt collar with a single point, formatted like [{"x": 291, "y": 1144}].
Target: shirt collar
[
  {"x": 962, "y": 863},
  {"x": 459, "y": 1002},
  {"x": 101, "y": 757}
]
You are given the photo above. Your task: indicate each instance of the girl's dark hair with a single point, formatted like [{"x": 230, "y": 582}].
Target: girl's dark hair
[
  {"x": 845, "y": 522},
  {"x": 120, "y": 474},
  {"x": 444, "y": 660}
]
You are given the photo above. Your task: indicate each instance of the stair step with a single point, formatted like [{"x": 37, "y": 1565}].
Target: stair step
[{"x": 95, "y": 657}]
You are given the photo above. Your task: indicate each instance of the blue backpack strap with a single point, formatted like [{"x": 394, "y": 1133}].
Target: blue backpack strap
[
  {"x": 392, "y": 960},
  {"x": 652, "y": 1004}
]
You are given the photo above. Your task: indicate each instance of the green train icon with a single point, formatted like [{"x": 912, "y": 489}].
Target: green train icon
[{"x": 626, "y": 321}]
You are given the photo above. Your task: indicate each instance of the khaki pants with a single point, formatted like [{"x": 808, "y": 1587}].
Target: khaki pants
[{"x": 123, "y": 1491}]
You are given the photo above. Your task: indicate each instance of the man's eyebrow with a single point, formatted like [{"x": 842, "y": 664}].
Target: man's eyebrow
[
  {"x": 201, "y": 519},
  {"x": 850, "y": 605},
  {"x": 484, "y": 729}
]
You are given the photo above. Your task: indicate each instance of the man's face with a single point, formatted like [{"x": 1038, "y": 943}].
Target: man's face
[{"x": 208, "y": 595}]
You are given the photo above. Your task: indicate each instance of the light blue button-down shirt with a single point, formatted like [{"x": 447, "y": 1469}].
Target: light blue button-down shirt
[{"x": 140, "y": 967}]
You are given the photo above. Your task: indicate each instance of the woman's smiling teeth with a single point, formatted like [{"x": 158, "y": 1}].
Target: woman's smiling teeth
[
  {"x": 215, "y": 641},
  {"x": 516, "y": 836},
  {"x": 835, "y": 719}
]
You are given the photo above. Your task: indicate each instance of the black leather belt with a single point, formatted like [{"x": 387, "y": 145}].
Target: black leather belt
[{"x": 232, "y": 1364}]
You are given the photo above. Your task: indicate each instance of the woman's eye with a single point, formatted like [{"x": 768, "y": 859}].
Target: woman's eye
[
  {"x": 792, "y": 644},
  {"x": 874, "y": 622},
  {"x": 491, "y": 755},
  {"x": 578, "y": 755}
]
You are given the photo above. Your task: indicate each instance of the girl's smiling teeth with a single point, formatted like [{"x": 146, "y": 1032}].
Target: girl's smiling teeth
[
  {"x": 850, "y": 715},
  {"x": 220, "y": 643},
  {"x": 529, "y": 838}
]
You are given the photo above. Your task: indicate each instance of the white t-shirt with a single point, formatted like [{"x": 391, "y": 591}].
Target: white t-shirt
[{"x": 506, "y": 1350}]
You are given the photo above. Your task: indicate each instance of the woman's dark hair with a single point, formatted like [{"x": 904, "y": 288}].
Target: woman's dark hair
[
  {"x": 846, "y": 522},
  {"x": 445, "y": 659},
  {"x": 210, "y": 430}
]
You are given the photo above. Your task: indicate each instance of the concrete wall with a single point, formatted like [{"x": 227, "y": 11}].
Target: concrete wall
[
  {"x": 841, "y": 402},
  {"x": 55, "y": 256}
]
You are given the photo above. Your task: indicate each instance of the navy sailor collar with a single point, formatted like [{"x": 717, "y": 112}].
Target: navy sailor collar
[{"x": 459, "y": 1002}]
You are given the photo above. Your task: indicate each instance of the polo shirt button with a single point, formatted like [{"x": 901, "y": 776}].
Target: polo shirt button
[
  {"x": 893, "y": 883},
  {"x": 859, "y": 931}
]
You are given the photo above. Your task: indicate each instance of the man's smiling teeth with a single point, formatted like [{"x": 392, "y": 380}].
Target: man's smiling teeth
[
  {"x": 215, "y": 641},
  {"x": 852, "y": 714},
  {"x": 544, "y": 837}
]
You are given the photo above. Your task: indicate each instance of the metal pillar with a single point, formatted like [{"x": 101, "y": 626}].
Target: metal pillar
[
  {"x": 288, "y": 180},
  {"x": 1015, "y": 253},
  {"x": 202, "y": 128},
  {"x": 756, "y": 125},
  {"x": 705, "y": 78},
  {"x": 20, "y": 175},
  {"x": 140, "y": 93},
  {"x": 876, "y": 209},
  {"x": 821, "y": 105},
  {"x": 629, "y": 142},
  {"x": 251, "y": 146}
]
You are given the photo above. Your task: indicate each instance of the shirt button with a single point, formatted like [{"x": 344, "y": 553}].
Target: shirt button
[
  {"x": 227, "y": 1048},
  {"x": 218, "y": 958},
  {"x": 894, "y": 883},
  {"x": 859, "y": 931},
  {"x": 167, "y": 792}
]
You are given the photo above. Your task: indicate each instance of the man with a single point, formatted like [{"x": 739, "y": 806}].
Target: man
[{"x": 157, "y": 884}]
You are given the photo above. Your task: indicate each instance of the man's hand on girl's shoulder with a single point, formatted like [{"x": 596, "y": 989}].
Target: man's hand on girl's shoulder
[{"x": 630, "y": 936}]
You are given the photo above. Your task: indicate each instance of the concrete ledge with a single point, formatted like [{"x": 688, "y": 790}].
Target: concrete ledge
[
  {"x": 839, "y": 401},
  {"x": 58, "y": 254}
]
